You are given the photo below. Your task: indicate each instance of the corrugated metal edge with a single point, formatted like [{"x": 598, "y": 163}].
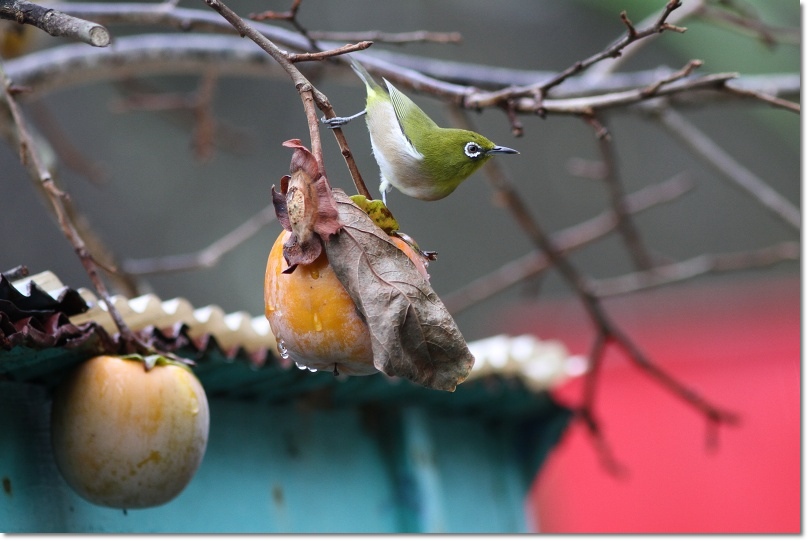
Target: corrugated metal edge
[{"x": 539, "y": 364}]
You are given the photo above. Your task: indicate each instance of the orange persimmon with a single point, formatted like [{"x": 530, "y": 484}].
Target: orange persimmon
[{"x": 314, "y": 318}]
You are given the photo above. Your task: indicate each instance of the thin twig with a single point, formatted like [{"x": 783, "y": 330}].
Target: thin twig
[
  {"x": 774, "y": 101},
  {"x": 606, "y": 329},
  {"x": 311, "y": 97},
  {"x": 750, "y": 24},
  {"x": 207, "y": 257},
  {"x": 705, "y": 148},
  {"x": 606, "y": 69},
  {"x": 331, "y": 53},
  {"x": 588, "y": 105},
  {"x": 390, "y": 37},
  {"x": 625, "y": 224},
  {"x": 566, "y": 241},
  {"x": 30, "y": 156},
  {"x": 653, "y": 89},
  {"x": 308, "y": 94},
  {"x": 538, "y": 92},
  {"x": 63, "y": 145},
  {"x": 139, "y": 95},
  {"x": 54, "y": 22},
  {"x": 290, "y": 16},
  {"x": 696, "y": 266},
  {"x": 615, "y": 49},
  {"x": 204, "y": 133},
  {"x": 587, "y": 408}
]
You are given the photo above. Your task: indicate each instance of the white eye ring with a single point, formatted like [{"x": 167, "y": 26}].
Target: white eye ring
[{"x": 473, "y": 150}]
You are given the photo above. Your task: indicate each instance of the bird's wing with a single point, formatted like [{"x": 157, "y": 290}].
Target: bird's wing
[{"x": 410, "y": 115}]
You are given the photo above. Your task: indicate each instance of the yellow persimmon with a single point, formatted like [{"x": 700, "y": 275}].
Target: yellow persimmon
[{"x": 128, "y": 438}]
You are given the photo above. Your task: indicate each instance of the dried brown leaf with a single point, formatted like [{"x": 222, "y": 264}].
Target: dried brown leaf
[{"x": 412, "y": 333}]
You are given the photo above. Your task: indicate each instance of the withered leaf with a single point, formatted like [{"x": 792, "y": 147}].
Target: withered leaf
[
  {"x": 305, "y": 207},
  {"x": 412, "y": 333}
]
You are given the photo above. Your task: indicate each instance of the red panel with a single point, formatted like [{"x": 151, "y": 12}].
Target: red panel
[{"x": 738, "y": 344}]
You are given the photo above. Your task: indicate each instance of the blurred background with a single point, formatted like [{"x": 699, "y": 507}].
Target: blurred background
[{"x": 150, "y": 195}]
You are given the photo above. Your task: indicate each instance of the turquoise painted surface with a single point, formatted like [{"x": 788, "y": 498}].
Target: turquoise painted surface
[{"x": 291, "y": 467}]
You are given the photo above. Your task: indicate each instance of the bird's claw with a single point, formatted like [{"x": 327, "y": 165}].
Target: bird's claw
[{"x": 336, "y": 122}]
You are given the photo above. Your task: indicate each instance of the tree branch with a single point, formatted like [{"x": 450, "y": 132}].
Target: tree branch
[
  {"x": 206, "y": 257},
  {"x": 389, "y": 37},
  {"x": 30, "y": 157},
  {"x": 323, "y": 55},
  {"x": 681, "y": 13},
  {"x": 606, "y": 329},
  {"x": 310, "y": 96},
  {"x": 697, "y": 266},
  {"x": 54, "y": 22},
  {"x": 705, "y": 148},
  {"x": 566, "y": 241},
  {"x": 625, "y": 224},
  {"x": 616, "y": 49}
]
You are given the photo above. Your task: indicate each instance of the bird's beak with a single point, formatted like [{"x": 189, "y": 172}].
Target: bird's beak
[{"x": 502, "y": 150}]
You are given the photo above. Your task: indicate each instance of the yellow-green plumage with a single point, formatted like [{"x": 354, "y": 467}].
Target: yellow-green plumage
[{"x": 415, "y": 155}]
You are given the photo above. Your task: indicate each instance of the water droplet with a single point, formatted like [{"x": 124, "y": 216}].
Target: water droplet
[
  {"x": 284, "y": 352},
  {"x": 314, "y": 274},
  {"x": 318, "y": 325},
  {"x": 301, "y": 366}
]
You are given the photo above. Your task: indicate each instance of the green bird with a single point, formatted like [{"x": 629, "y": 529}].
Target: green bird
[{"x": 415, "y": 155}]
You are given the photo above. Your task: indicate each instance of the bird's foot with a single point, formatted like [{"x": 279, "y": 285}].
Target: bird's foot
[{"x": 339, "y": 121}]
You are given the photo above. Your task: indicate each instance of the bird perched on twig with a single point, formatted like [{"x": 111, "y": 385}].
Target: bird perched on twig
[{"x": 415, "y": 155}]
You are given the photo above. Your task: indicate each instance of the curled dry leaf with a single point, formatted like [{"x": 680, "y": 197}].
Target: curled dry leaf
[
  {"x": 305, "y": 207},
  {"x": 412, "y": 333}
]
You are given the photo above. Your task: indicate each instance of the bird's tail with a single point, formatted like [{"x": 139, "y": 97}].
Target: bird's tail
[{"x": 364, "y": 75}]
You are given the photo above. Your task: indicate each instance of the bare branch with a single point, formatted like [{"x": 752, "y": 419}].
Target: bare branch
[
  {"x": 705, "y": 148},
  {"x": 63, "y": 66},
  {"x": 774, "y": 101},
  {"x": 30, "y": 156},
  {"x": 625, "y": 224},
  {"x": 399, "y": 37},
  {"x": 311, "y": 97},
  {"x": 615, "y": 49},
  {"x": 606, "y": 328},
  {"x": 587, "y": 409},
  {"x": 566, "y": 241},
  {"x": 697, "y": 266},
  {"x": 750, "y": 24},
  {"x": 588, "y": 105},
  {"x": 308, "y": 94},
  {"x": 469, "y": 74},
  {"x": 206, "y": 257},
  {"x": 54, "y": 22},
  {"x": 289, "y": 15},
  {"x": 323, "y": 55},
  {"x": 63, "y": 145},
  {"x": 681, "y": 13},
  {"x": 653, "y": 89},
  {"x": 389, "y": 37}
]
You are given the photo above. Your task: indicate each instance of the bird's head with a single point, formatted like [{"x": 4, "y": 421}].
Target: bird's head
[{"x": 452, "y": 155}]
